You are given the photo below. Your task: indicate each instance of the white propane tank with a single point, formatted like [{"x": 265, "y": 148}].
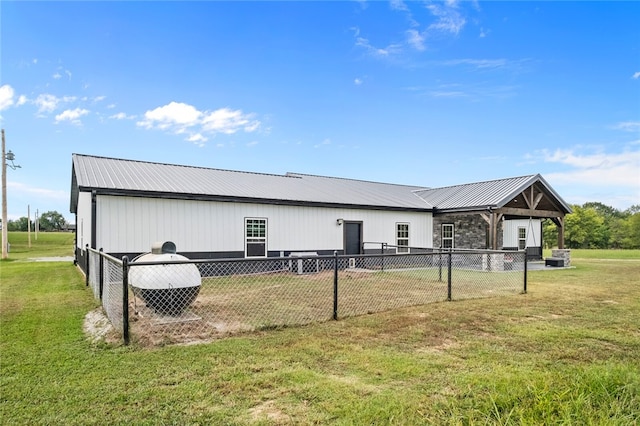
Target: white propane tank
[{"x": 166, "y": 288}]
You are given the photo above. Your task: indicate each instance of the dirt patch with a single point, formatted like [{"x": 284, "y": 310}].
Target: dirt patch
[
  {"x": 268, "y": 411},
  {"x": 97, "y": 326}
]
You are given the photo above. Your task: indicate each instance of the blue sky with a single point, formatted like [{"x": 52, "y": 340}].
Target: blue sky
[{"x": 422, "y": 93}]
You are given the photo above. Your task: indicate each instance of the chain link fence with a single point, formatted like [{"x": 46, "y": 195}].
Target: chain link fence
[
  {"x": 105, "y": 277},
  {"x": 186, "y": 301}
]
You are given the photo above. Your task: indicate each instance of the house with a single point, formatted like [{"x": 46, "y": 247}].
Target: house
[{"x": 123, "y": 206}]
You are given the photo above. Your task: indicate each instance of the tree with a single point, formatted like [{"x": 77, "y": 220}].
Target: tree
[
  {"x": 634, "y": 231},
  {"x": 584, "y": 228},
  {"x": 52, "y": 221},
  {"x": 21, "y": 224},
  {"x": 633, "y": 209},
  {"x": 549, "y": 233}
]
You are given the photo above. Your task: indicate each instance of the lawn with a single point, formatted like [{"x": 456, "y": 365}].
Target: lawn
[{"x": 568, "y": 352}]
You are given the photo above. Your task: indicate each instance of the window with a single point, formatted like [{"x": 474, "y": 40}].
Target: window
[
  {"x": 255, "y": 237},
  {"x": 447, "y": 235},
  {"x": 522, "y": 238},
  {"x": 402, "y": 238}
]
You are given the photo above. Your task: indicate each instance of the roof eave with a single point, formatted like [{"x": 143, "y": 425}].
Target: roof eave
[{"x": 228, "y": 198}]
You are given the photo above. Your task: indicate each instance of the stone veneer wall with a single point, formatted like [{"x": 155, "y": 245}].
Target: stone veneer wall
[
  {"x": 562, "y": 254},
  {"x": 470, "y": 231}
]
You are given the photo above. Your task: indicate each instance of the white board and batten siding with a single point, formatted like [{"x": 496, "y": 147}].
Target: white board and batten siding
[
  {"x": 511, "y": 232},
  {"x": 132, "y": 224},
  {"x": 83, "y": 220}
]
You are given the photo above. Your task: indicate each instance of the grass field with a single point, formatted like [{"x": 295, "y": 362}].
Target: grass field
[{"x": 567, "y": 352}]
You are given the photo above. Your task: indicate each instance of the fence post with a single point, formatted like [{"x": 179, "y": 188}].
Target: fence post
[
  {"x": 86, "y": 265},
  {"x": 101, "y": 277},
  {"x": 335, "y": 285},
  {"x": 525, "y": 273},
  {"x": 382, "y": 249},
  {"x": 440, "y": 265},
  {"x": 449, "y": 276},
  {"x": 125, "y": 299}
]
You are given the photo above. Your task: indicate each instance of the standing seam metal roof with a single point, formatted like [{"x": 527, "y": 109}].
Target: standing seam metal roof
[
  {"x": 488, "y": 194},
  {"x": 92, "y": 172},
  {"x": 119, "y": 175}
]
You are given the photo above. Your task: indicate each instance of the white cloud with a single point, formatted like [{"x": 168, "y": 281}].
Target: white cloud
[
  {"x": 323, "y": 143},
  {"x": 448, "y": 18},
  {"x": 57, "y": 76},
  {"x": 357, "y": 81},
  {"x": 40, "y": 192},
  {"x": 22, "y": 99},
  {"x": 122, "y": 116},
  {"x": 597, "y": 168},
  {"x": 72, "y": 115},
  {"x": 480, "y": 63},
  {"x": 628, "y": 126},
  {"x": 228, "y": 121},
  {"x": 173, "y": 115},
  {"x": 636, "y": 75},
  {"x": 6, "y": 97},
  {"x": 399, "y": 5},
  {"x": 416, "y": 39},
  {"x": 379, "y": 52},
  {"x": 46, "y": 102},
  {"x": 181, "y": 118}
]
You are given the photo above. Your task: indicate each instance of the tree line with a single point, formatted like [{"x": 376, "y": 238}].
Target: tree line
[
  {"x": 595, "y": 225},
  {"x": 47, "y": 222}
]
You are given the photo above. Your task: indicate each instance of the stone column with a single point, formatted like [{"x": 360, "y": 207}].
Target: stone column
[{"x": 562, "y": 254}]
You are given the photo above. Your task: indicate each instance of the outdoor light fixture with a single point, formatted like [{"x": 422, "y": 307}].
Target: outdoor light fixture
[{"x": 340, "y": 221}]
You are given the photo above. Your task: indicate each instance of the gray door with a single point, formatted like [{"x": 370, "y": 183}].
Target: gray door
[{"x": 353, "y": 238}]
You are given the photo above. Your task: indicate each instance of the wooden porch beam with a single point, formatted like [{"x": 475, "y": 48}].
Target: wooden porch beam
[
  {"x": 537, "y": 200},
  {"x": 510, "y": 211},
  {"x": 560, "y": 232}
]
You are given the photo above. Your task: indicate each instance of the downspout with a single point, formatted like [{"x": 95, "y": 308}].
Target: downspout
[
  {"x": 94, "y": 224},
  {"x": 75, "y": 240}
]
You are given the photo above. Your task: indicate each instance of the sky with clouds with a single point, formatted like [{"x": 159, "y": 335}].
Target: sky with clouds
[{"x": 431, "y": 93}]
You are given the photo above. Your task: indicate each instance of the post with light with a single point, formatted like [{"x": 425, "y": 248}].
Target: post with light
[{"x": 10, "y": 157}]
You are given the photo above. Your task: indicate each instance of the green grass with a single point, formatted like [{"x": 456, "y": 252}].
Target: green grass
[
  {"x": 568, "y": 352},
  {"x": 48, "y": 244},
  {"x": 600, "y": 254}
]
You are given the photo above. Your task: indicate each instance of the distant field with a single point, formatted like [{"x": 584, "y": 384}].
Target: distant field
[
  {"x": 602, "y": 254},
  {"x": 47, "y": 244},
  {"x": 564, "y": 353}
]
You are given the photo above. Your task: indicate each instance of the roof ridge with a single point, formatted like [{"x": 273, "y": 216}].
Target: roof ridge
[
  {"x": 480, "y": 182},
  {"x": 294, "y": 174},
  {"x": 181, "y": 165}
]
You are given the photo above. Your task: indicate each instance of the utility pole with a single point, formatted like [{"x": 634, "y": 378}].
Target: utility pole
[
  {"x": 5, "y": 254},
  {"x": 5, "y": 156},
  {"x": 29, "y": 223}
]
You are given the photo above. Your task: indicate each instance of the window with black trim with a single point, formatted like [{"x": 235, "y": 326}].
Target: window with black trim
[
  {"x": 447, "y": 235},
  {"x": 402, "y": 238},
  {"x": 522, "y": 238},
  {"x": 255, "y": 237}
]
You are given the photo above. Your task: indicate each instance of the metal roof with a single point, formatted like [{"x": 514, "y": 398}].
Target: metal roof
[
  {"x": 131, "y": 176},
  {"x": 483, "y": 195}
]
